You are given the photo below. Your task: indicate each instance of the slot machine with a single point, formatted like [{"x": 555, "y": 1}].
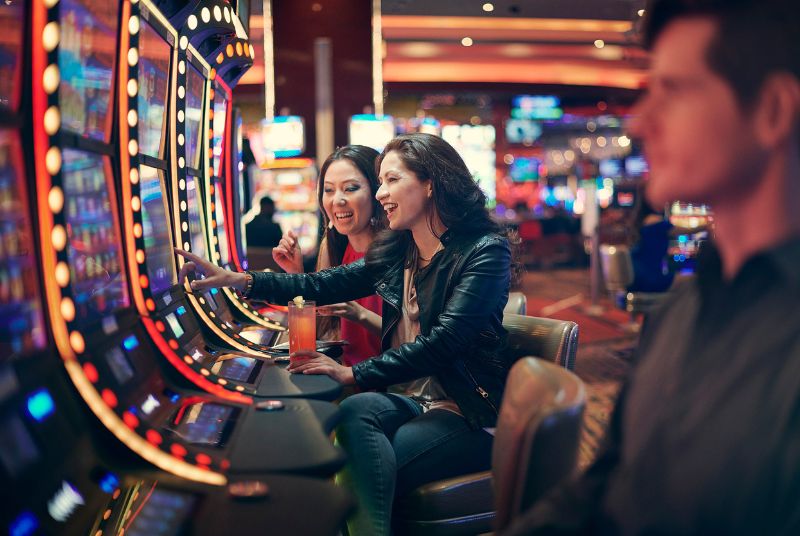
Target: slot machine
[
  {"x": 112, "y": 353},
  {"x": 67, "y": 470},
  {"x": 179, "y": 321}
]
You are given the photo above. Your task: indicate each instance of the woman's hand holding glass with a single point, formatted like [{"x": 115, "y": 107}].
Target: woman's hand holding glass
[
  {"x": 287, "y": 254},
  {"x": 310, "y": 362},
  {"x": 215, "y": 276}
]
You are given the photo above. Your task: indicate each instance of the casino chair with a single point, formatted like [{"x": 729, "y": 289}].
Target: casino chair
[
  {"x": 536, "y": 443},
  {"x": 517, "y": 304},
  {"x": 617, "y": 267}
]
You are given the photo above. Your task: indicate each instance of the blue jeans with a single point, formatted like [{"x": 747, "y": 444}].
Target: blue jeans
[{"x": 393, "y": 447}]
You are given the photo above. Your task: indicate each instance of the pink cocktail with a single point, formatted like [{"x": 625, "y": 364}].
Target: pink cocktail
[{"x": 302, "y": 326}]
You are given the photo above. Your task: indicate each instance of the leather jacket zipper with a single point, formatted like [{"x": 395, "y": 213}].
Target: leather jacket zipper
[{"x": 480, "y": 390}]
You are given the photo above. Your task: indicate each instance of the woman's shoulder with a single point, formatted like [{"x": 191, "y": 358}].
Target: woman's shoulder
[{"x": 478, "y": 240}]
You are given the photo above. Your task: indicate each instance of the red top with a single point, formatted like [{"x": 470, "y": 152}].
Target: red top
[{"x": 363, "y": 344}]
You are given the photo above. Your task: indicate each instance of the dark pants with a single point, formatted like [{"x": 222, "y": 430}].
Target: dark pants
[{"x": 393, "y": 447}]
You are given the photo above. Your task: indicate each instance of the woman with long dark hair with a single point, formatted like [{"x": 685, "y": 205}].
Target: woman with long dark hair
[
  {"x": 443, "y": 270},
  {"x": 351, "y": 217}
]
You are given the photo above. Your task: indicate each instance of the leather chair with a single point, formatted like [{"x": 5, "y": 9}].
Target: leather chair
[
  {"x": 615, "y": 261},
  {"x": 517, "y": 304},
  {"x": 465, "y": 504}
]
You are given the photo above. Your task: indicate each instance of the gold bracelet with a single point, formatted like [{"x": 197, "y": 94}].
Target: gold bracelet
[{"x": 248, "y": 286}]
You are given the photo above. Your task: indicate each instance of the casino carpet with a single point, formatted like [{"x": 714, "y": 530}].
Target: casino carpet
[{"x": 606, "y": 343}]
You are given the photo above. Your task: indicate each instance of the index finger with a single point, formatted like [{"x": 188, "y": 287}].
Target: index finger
[{"x": 190, "y": 256}]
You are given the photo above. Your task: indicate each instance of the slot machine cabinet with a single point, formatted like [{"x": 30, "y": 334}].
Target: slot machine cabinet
[
  {"x": 105, "y": 345},
  {"x": 55, "y": 479}
]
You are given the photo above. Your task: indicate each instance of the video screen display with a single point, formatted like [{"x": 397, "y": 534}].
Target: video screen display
[
  {"x": 120, "y": 366},
  {"x": 160, "y": 513},
  {"x": 157, "y": 237},
  {"x": 195, "y": 88},
  {"x": 611, "y": 168},
  {"x": 86, "y": 60},
  {"x": 240, "y": 369},
  {"x": 94, "y": 248},
  {"x": 218, "y": 124},
  {"x": 524, "y": 169},
  {"x": 17, "y": 449},
  {"x": 204, "y": 423},
  {"x": 175, "y": 325},
  {"x": 222, "y": 235},
  {"x": 154, "y": 56},
  {"x": 196, "y": 227},
  {"x": 635, "y": 166},
  {"x": 239, "y": 174},
  {"x": 11, "y": 13},
  {"x": 21, "y": 317}
]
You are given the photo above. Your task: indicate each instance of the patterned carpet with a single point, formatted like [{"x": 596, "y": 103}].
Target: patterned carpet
[{"x": 605, "y": 348}]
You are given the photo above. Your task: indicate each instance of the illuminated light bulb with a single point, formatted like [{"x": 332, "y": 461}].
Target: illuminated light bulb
[
  {"x": 188, "y": 360},
  {"x": 252, "y": 52},
  {"x": 62, "y": 274},
  {"x": 488, "y": 7},
  {"x": 229, "y": 50},
  {"x": 217, "y": 14},
  {"x": 52, "y": 120},
  {"x": 76, "y": 342},
  {"x": 181, "y": 139},
  {"x": 150, "y": 304},
  {"x": 183, "y": 206},
  {"x": 181, "y": 116},
  {"x": 55, "y": 199},
  {"x": 133, "y": 56},
  {"x": 192, "y": 22},
  {"x": 133, "y": 25},
  {"x": 133, "y": 118},
  {"x": 58, "y": 237},
  {"x": 134, "y": 176},
  {"x": 181, "y": 162},
  {"x": 136, "y": 203},
  {"x": 133, "y": 87},
  {"x": 467, "y": 42},
  {"x": 227, "y": 14},
  {"x": 137, "y": 230},
  {"x": 144, "y": 282},
  {"x": 239, "y": 388},
  {"x": 182, "y": 67},
  {"x": 185, "y": 227},
  {"x": 133, "y": 147},
  {"x": 153, "y": 437},
  {"x": 51, "y": 78},
  {"x": 67, "y": 309},
  {"x": 641, "y": 12},
  {"x": 599, "y": 43},
  {"x": 184, "y": 42},
  {"x": 50, "y": 3},
  {"x": 109, "y": 398},
  {"x": 177, "y": 449},
  {"x": 91, "y": 372},
  {"x": 140, "y": 256},
  {"x": 173, "y": 344},
  {"x": 182, "y": 184},
  {"x": 52, "y": 160},
  {"x": 205, "y": 14},
  {"x": 624, "y": 141},
  {"x": 205, "y": 372},
  {"x": 220, "y": 57},
  {"x": 51, "y": 35},
  {"x": 222, "y": 381},
  {"x": 187, "y": 246}
]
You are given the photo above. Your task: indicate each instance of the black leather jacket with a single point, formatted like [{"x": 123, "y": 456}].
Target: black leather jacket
[{"x": 461, "y": 296}]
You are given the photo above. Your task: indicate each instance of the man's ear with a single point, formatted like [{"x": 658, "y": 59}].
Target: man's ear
[{"x": 777, "y": 112}]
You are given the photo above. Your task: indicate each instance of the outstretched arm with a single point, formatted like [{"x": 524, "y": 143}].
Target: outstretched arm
[
  {"x": 355, "y": 312},
  {"x": 215, "y": 276}
]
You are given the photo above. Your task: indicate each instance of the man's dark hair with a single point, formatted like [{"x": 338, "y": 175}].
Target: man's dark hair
[
  {"x": 267, "y": 203},
  {"x": 754, "y": 38}
]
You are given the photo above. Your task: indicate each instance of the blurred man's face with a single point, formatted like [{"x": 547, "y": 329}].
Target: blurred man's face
[{"x": 698, "y": 141}]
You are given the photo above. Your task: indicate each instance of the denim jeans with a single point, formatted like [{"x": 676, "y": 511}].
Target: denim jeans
[{"x": 393, "y": 447}]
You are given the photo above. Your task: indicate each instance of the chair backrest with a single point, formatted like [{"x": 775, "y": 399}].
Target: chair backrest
[
  {"x": 538, "y": 433},
  {"x": 261, "y": 259},
  {"x": 547, "y": 338},
  {"x": 615, "y": 261},
  {"x": 517, "y": 304}
]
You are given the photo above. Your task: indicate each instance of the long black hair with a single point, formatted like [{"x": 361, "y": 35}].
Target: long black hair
[
  {"x": 363, "y": 158},
  {"x": 459, "y": 201}
]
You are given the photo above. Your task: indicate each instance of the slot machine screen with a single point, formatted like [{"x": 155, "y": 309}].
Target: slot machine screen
[
  {"x": 241, "y": 369},
  {"x": 86, "y": 60},
  {"x": 222, "y": 235},
  {"x": 154, "y": 55},
  {"x": 11, "y": 13},
  {"x": 218, "y": 128},
  {"x": 195, "y": 86},
  {"x": 239, "y": 173},
  {"x": 195, "y": 220},
  {"x": 204, "y": 423},
  {"x": 160, "y": 512},
  {"x": 156, "y": 232},
  {"x": 21, "y": 318},
  {"x": 94, "y": 249}
]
